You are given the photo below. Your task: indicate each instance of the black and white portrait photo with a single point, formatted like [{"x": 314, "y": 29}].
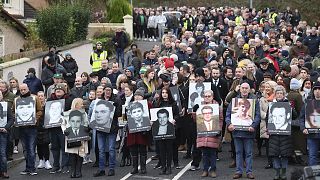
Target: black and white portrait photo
[
  {"x": 207, "y": 117},
  {"x": 176, "y": 96},
  {"x": 138, "y": 116},
  {"x": 3, "y": 114},
  {"x": 279, "y": 121},
  {"x": 196, "y": 93},
  {"x": 77, "y": 126},
  {"x": 102, "y": 115},
  {"x": 242, "y": 113},
  {"x": 54, "y": 113},
  {"x": 25, "y": 111},
  {"x": 312, "y": 122},
  {"x": 162, "y": 127}
]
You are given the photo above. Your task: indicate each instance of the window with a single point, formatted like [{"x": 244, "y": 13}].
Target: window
[{"x": 5, "y": 1}]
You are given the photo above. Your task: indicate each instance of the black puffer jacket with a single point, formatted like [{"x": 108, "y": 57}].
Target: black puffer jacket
[
  {"x": 71, "y": 67},
  {"x": 280, "y": 145}
]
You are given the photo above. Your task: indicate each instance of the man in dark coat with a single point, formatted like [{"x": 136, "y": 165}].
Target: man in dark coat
[
  {"x": 120, "y": 41},
  {"x": 34, "y": 83}
]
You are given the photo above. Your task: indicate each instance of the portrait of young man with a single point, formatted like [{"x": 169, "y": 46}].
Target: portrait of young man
[
  {"x": 279, "y": 117},
  {"x": 138, "y": 120},
  {"x": 53, "y": 113},
  {"x": 25, "y": 111},
  {"x": 77, "y": 128},
  {"x": 162, "y": 128},
  {"x": 102, "y": 116}
]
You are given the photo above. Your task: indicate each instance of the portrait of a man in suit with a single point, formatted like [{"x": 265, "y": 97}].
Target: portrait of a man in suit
[
  {"x": 162, "y": 126},
  {"x": 279, "y": 117},
  {"x": 76, "y": 122},
  {"x": 206, "y": 122},
  {"x": 25, "y": 111},
  {"x": 136, "y": 118},
  {"x": 102, "y": 115}
]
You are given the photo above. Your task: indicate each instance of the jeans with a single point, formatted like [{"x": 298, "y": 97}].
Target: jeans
[
  {"x": 28, "y": 136},
  {"x": 280, "y": 162},
  {"x": 209, "y": 158},
  {"x": 161, "y": 28},
  {"x": 245, "y": 144},
  {"x": 57, "y": 139},
  {"x": 313, "y": 145},
  {"x": 3, "y": 152},
  {"x": 120, "y": 55},
  {"x": 106, "y": 142}
]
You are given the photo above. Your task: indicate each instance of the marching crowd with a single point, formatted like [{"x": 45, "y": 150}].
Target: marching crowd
[{"x": 266, "y": 55}]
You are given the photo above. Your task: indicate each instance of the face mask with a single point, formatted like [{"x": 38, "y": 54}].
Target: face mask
[{"x": 30, "y": 75}]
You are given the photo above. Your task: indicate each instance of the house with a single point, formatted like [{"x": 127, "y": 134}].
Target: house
[{"x": 12, "y": 33}]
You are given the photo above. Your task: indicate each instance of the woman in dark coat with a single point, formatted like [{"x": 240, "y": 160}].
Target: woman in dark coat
[
  {"x": 280, "y": 146},
  {"x": 166, "y": 147},
  {"x": 71, "y": 67}
]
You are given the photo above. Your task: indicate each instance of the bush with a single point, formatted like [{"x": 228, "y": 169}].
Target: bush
[
  {"x": 105, "y": 37},
  {"x": 116, "y": 9},
  {"x": 59, "y": 25}
]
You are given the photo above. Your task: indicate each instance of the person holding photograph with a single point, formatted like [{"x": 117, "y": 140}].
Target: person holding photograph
[
  {"x": 28, "y": 134},
  {"x": 57, "y": 138},
  {"x": 162, "y": 126},
  {"x": 106, "y": 141},
  {"x": 280, "y": 146},
  {"x": 78, "y": 127},
  {"x": 209, "y": 144},
  {"x": 243, "y": 140},
  {"x": 313, "y": 139},
  {"x": 138, "y": 142},
  {"x": 4, "y": 133}
]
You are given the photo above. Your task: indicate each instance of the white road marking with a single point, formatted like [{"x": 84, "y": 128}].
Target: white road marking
[
  {"x": 186, "y": 168},
  {"x": 129, "y": 174}
]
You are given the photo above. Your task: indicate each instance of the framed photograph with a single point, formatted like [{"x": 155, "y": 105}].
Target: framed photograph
[
  {"x": 312, "y": 118},
  {"x": 196, "y": 95},
  {"x": 176, "y": 96},
  {"x": 207, "y": 117},
  {"x": 242, "y": 113},
  {"x": 102, "y": 115},
  {"x": 3, "y": 114},
  {"x": 53, "y": 116},
  {"x": 138, "y": 116},
  {"x": 25, "y": 111},
  {"x": 162, "y": 127},
  {"x": 280, "y": 118},
  {"x": 77, "y": 124}
]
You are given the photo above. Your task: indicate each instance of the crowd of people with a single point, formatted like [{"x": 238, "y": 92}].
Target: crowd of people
[{"x": 265, "y": 55}]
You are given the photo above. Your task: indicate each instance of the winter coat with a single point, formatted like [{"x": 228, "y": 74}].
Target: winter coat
[
  {"x": 78, "y": 92},
  {"x": 71, "y": 67},
  {"x": 312, "y": 42},
  {"x": 34, "y": 84},
  {"x": 264, "y": 107},
  {"x": 121, "y": 39},
  {"x": 281, "y": 145}
]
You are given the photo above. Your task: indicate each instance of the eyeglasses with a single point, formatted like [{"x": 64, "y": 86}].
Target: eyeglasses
[{"x": 208, "y": 96}]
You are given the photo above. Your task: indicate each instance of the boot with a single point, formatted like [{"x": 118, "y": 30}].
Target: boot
[
  {"x": 143, "y": 169},
  {"x": 277, "y": 176},
  {"x": 79, "y": 167},
  {"x": 73, "y": 167},
  {"x": 168, "y": 172},
  {"x": 135, "y": 165},
  {"x": 283, "y": 174}
]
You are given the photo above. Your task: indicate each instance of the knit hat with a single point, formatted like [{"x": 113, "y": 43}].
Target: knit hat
[
  {"x": 168, "y": 63},
  {"x": 165, "y": 77},
  {"x": 316, "y": 85},
  {"x": 285, "y": 53},
  {"x": 300, "y": 39},
  {"x": 62, "y": 86},
  {"x": 295, "y": 84},
  {"x": 246, "y": 46},
  {"x": 139, "y": 92},
  {"x": 58, "y": 76},
  {"x": 143, "y": 70},
  {"x": 199, "y": 72},
  {"x": 67, "y": 54},
  {"x": 174, "y": 57},
  {"x": 131, "y": 69}
]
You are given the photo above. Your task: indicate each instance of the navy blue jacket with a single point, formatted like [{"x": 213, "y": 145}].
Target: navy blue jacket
[{"x": 34, "y": 84}]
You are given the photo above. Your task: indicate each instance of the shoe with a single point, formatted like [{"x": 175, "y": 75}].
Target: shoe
[
  {"x": 156, "y": 157},
  {"x": 283, "y": 174},
  {"x": 99, "y": 173},
  {"x": 15, "y": 150},
  {"x": 25, "y": 172},
  {"x": 84, "y": 161},
  {"x": 47, "y": 165},
  {"x": 177, "y": 166},
  {"x": 194, "y": 168},
  {"x": 55, "y": 170},
  {"x": 250, "y": 176},
  {"x": 237, "y": 176},
  {"x": 277, "y": 176},
  {"x": 213, "y": 174},
  {"x": 204, "y": 174},
  {"x": 128, "y": 161},
  {"x": 5, "y": 175},
  {"x": 41, "y": 164},
  {"x": 155, "y": 40},
  {"x": 181, "y": 148},
  {"x": 111, "y": 172},
  {"x": 232, "y": 165},
  {"x": 187, "y": 156},
  {"x": 135, "y": 165},
  {"x": 65, "y": 170},
  {"x": 268, "y": 166},
  {"x": 143, "y": 165},
  {"x": 33, "y": 173}
]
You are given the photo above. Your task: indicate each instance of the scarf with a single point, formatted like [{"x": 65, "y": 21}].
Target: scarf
[{"x": 150, "y": 86}]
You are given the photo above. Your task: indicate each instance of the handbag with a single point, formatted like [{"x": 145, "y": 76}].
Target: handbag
[{"x": 74, "y": 144}]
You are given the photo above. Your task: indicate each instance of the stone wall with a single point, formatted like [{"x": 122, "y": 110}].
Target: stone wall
[{"x": 18, "y": 68}]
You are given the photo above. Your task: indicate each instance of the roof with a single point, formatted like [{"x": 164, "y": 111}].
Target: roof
[{"x": 18, "y": 25}]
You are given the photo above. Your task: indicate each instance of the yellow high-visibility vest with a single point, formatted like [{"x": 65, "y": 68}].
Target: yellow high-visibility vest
[
  {"x": 96, "y": 61},
  {"x": 239, "y": 20}
]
